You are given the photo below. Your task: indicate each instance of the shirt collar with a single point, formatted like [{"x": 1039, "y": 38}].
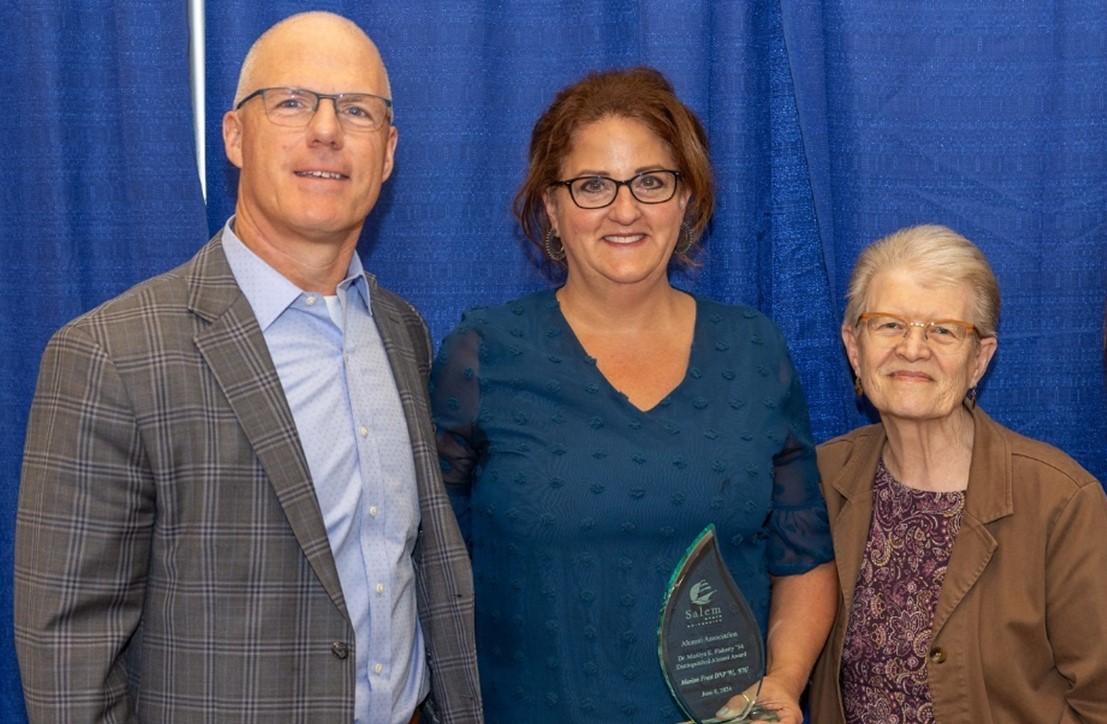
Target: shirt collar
[{"x": 269, "y": 292}]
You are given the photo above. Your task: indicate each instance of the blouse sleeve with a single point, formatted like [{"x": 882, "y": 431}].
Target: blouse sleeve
[
  {"x": 798, "y": 525},
  {"x": 455, "y": 402}
]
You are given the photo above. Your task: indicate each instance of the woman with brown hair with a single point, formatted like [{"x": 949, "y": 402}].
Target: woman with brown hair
[{"x": 587, "y": 434}]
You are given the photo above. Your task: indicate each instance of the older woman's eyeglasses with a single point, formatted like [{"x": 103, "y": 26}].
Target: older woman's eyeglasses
[
  {"x": 295, "y": 107},
  {"x": 890, "y": 330},
  {"x": 596, "y": 192}
]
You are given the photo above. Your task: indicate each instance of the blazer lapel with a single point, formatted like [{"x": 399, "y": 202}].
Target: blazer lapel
[
  {"x": 234, "y": 349},
  {"x": 855, "y": 484},
  {"x": 988, "y": 498}
]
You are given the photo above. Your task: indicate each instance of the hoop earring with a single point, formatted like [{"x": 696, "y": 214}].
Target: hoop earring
[
  {"x": 857, "y": 388},
  {"x": 559, "y": 253},
  {"x": 684, "y": 242}
]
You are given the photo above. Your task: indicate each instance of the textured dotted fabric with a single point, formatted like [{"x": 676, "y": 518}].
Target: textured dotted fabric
[{"x": 577, "y": 505}]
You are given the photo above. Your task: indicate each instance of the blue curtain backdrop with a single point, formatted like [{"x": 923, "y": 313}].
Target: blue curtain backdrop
[
  {"x": 99, "y": 188},
  {"x": 831, "y": 124}
]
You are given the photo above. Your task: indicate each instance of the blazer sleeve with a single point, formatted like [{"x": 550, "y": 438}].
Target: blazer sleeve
[
  {"x": 1076, "y": 600},
  {"x": 83, "y": 527}
]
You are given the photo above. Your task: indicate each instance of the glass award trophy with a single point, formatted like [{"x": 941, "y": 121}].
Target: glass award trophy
[{"x": 709, "y": 641}]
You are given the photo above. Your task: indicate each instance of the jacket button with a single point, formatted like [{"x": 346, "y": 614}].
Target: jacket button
[
  {"x": 340, "y": 649},
  {"x": 937, "y": 656}
]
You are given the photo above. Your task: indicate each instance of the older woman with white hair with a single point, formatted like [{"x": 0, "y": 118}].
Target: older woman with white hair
[{"x": 972, "y": 560}]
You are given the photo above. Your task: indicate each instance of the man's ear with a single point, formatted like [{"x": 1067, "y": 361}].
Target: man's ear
[
  {"x": 232, "y": 137},
  {"x": 390, "y": 152}
]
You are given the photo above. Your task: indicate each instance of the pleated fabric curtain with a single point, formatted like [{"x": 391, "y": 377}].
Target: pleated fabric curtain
[
  {"x": 831, "y": 124},
  {"x": 99, "y": 190},
  {"x": 470, "y": 78},
  {"x": 990, "y": 118}
]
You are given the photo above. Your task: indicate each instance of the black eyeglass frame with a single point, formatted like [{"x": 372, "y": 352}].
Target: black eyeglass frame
[{"x": 568, "y": 183}]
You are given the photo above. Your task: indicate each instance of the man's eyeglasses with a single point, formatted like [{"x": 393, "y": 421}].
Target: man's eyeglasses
[
  {"x": 295, "y": 107},
  {"x": 890, "y": 330},
  {"x": 596, "y": 192}
]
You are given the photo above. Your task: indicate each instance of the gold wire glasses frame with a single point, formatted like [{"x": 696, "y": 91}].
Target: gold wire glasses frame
[
  {"x": 295, "y": 107},
  {"x": 596, "y": 192},
  {"x": 891, "y": 330}
]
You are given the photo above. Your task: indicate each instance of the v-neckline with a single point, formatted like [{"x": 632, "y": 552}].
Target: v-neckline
[{"x": 607, "y": 383}]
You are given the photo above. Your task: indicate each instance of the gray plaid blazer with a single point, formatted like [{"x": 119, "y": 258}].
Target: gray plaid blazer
[{"x": 171, "y": 562}]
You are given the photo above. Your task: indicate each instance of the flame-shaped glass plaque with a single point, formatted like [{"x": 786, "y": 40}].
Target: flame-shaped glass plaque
[{"x": 709, "y": 641}]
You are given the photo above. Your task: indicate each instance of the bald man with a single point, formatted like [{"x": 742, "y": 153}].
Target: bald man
[{"x": 231, "y": 508}]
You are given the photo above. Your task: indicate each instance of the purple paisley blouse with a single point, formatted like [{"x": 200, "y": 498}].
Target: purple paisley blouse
[{"x": 884, "y": 661}]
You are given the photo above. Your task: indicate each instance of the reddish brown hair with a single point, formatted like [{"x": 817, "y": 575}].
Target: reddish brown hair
[{"x": 642, "y": 94}]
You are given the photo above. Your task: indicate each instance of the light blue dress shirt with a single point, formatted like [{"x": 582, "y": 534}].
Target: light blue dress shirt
[{"x": 339, "y": 385}]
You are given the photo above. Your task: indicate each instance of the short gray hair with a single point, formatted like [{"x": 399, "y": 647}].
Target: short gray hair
[{"x": 938, "y": 255}]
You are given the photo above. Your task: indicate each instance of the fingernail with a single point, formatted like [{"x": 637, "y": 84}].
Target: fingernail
[{"x": 725, "y": 713}]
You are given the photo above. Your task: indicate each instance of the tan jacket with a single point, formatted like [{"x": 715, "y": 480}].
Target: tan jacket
[{"x": 1020, "y": 629}]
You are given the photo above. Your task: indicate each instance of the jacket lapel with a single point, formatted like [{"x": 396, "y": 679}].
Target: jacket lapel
[
  {"x": 988, "y": 498},
  {"x": 234, "y": 349},
  {"x": 855, "y": 484}
]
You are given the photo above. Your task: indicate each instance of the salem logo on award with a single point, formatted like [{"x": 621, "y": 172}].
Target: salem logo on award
[{"x": 701, "y": 594}]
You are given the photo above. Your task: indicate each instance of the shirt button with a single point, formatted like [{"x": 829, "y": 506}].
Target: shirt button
[
  {"x": 373, "y": 511},
  {"x": 310, "y": 301},
  {"x": 378, "y": 668},
  {"x": 340, "y": 649},
  {"x": 380, "y": 588},
  {"x": 364, "y": 431},
  {"x": 937, "y": 656}
]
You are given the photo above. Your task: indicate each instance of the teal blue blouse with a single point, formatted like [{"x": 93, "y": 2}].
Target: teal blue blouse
[{"x": 577, "y": 505}]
